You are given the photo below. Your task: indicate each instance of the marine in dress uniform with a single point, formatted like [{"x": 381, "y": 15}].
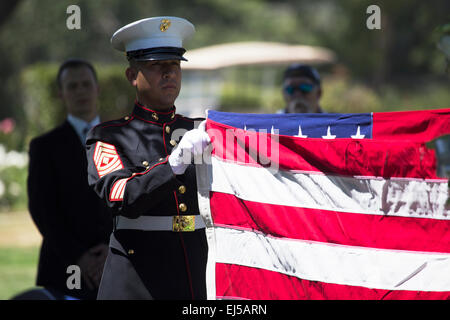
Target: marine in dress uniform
[{"x": 158, "y": 249}]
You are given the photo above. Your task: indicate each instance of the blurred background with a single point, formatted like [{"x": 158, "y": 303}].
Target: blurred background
[{"x": 397, "y": 67}]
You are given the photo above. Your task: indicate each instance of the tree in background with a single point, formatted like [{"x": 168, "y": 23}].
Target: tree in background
[{"x": 401, "y": 53}]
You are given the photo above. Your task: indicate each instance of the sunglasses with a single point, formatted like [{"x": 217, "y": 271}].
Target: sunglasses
[{"x": 303, "y": 88}]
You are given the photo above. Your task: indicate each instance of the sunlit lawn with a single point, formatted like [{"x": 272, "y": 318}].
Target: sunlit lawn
[
  {"x": 17, "y": 270},
  {"x": 19, "y": 252}
]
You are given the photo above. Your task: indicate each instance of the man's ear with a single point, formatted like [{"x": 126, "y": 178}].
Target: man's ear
[{"x": 131, "y": 74}]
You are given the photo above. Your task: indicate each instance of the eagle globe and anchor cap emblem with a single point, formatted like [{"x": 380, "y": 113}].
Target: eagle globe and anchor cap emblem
[{"x": 165, "y": 24}]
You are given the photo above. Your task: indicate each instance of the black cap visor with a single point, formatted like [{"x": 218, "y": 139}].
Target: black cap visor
[{"x": 160, "y": 53}]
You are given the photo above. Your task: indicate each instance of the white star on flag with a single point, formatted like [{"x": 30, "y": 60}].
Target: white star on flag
[
  {"x": 358, "y": 134},
  {"x": 329, "y": 135},
  {"x": 300, "y": 135}
]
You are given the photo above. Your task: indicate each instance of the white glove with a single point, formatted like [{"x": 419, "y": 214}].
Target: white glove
[{"x": 193, "y": 143}]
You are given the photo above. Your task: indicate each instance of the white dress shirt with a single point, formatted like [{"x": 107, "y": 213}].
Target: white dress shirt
[{"x": 82, "y": 127}]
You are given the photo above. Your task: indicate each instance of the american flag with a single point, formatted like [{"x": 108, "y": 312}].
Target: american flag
[{"x": 326, "y": 206}]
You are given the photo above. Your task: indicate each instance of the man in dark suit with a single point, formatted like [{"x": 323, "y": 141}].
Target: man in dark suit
[{"x": 74, "y": 223}]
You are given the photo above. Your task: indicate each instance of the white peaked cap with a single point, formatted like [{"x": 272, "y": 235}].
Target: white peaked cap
[{"x": 152, "y": 34}]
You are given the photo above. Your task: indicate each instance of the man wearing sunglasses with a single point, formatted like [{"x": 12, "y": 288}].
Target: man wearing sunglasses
[{"x": 301, "y": 89}]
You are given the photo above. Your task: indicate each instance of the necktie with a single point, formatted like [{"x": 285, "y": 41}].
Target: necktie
[{"x": 84, "y": 133}]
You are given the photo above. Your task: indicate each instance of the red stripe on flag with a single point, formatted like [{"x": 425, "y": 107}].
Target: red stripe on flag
[
  {"x": 423, "y": 125},
  {"x": 353, "y": 229},
  {"x": 350, "y": 157},
  {"x": 240, "y": 282}
]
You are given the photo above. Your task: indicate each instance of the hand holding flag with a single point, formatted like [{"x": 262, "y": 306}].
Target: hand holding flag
[{"x": 193, "y": 143}]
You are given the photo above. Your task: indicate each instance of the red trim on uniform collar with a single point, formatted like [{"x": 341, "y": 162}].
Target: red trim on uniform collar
[{"x": 173, "y": 109}]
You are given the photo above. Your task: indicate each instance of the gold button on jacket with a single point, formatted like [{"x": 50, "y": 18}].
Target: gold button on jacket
[
  {"x": 181, "y": 189},
  {"x": 183, "y": 207}
]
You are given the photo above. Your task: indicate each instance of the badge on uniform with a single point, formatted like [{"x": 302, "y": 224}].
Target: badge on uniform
[
  {"x": 165, "y": 24},
  {"x": 183, "y": 223},
  {"x": 118, "y": 190},
  {"x": 106, "y": 159}
]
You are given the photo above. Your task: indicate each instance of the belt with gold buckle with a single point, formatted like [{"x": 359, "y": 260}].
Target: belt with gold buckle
[
  {"x": 183, "y": 223},
  {"x": 161, "y": 223}
]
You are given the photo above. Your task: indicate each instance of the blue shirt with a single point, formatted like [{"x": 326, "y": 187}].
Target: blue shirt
[{"x": 80, "y": 126}]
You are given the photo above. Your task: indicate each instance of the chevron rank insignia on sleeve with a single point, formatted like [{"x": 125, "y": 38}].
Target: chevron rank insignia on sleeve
[{"x": 106, "y": 159}]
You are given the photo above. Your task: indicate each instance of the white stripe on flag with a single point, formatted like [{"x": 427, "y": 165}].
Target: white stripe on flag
[
  {"x": 345, "y": 265},
  {"x": 203, "y": 174},
  {"x": 406, "y": 197}
]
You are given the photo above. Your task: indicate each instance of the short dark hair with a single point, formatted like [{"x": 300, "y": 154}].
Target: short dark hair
[
  {"x": 74, "y": 63},
  {"x": 302, "y": 70}
]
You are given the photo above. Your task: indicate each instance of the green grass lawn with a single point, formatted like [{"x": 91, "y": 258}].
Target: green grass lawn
[
  {"x": 19, "y": 252},
  {"x": 18, "y": 267}
]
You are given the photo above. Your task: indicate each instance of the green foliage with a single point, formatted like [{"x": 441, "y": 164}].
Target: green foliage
[
  {"x": 250, "y": 98},
  {"x": 44, "y": 109},
  {"x": 342, "y": 96},
  {"x": 116, "y": 94},
  {"x": 418, "y": 96},
  {"x": 403, "y": 46},
  {"x": 12, "y": 139},
  {"x": 251, "y": 89},
  {"x": 235, "y": 98},
  {"x": 13, "y": 188}
]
